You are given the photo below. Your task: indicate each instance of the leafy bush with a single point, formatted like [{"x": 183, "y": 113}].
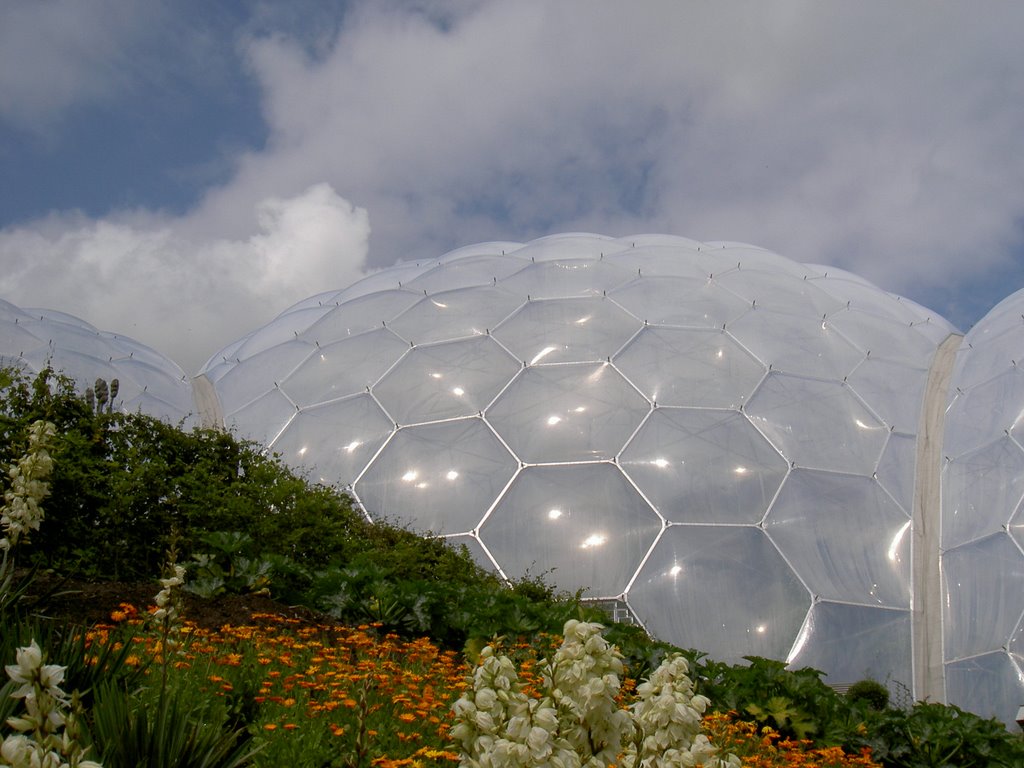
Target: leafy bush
[{"x": 871, "y": 692}]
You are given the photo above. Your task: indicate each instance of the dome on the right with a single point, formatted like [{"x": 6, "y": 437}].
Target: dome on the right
[{"x": 982, "y": 534}]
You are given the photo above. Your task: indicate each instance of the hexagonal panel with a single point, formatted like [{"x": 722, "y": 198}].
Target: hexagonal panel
[
  {"x": 991, "y": 685},
  {"x": 723, "y": 589},
  {"x": 983, "y": 585},
  {"x": 585, "y": 523},
  {"x": 261, "y": 373},
  {"x": 817, "y": 424},
  {"x": 567, "y": 330},
  {"x": 981, "y": 490},
  {"x": 564, "y": 278},
  {"x": 856, "y": 642},
  {"x": 344, "y": 368},
  {"x": 897, "y": 469},
  {"x": 358, "y": 315},
  {"x": 884, "y": 339},
  {"x": 892, "y": 390},
  {"x": 476, "y": 549},
  {"x": 779, "y": 292},
  {"x": 335, "y": 440},
  {"x": 563, "y": 413},
  {"x": 440, "y": 478},
  {"x": 445, "y": 381},
  {"x": 973, "y": 421},
  {"x": 845, "y": 537},
  {"x": 455, "y": 314},
  {"x": 796, "y": 344},
  {"x": 263, "y": 419},
  {"x": 466, "y": 271},
  {"x": 680, "y": 301},
  {"x": 690, "y": 367},
  {"x": 699, "y": 466}
]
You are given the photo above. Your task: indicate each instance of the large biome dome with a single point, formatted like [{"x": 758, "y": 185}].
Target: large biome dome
[
  {"x": 717, "y": 441},
  {"x": 34, "y": 339}
]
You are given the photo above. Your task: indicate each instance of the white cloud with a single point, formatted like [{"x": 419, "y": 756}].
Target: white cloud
[
  {"x": 881, "y": 138},
  {"x": 185, "y": 297},
  {"x": 884, "y": 139}
]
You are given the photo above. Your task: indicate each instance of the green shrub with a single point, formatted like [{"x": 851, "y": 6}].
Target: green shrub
[{"x": 870, "y": 692}]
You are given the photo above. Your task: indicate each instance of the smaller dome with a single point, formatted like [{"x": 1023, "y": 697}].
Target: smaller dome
[{"x": 149, "y": 383}]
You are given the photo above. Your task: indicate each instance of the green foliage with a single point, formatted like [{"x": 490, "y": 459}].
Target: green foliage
[
  {"x": 173, "y": 732},
  {"x": 871, "y": 692},
  {"x": 939, "y": 736}
]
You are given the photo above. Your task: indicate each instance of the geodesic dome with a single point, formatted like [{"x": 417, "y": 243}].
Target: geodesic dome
[
  {"x": 32, "y": 339},
  {"x": 717, "y": 440},
  {"x": 983, "y": 519}
]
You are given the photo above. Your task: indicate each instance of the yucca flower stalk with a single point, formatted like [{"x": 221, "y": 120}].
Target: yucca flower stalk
[
  {"x": 47, "y": 734},
  {"x": 22, "y": 512},
  {"x": 576, "y": 722}
]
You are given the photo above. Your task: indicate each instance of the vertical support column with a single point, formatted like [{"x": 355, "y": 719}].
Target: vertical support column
[
  {"x": 207, "y": 404},
  {"x": 929, "y": 675}
]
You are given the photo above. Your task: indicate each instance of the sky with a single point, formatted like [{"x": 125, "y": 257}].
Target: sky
[{"x": 181, "y": 171}]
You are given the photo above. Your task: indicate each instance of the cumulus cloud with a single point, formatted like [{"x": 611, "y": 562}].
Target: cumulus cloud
[
  {"x": 185, "y": 297},
  {"x": 880, "y": 138}
]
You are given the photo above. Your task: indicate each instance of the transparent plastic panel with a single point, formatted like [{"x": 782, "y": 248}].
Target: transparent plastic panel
[
  {"x": 984, "y": 413},
  {"x": 984, "y": 593},
  {"x": 893, "y": 391},
  {"x": 666, "y": 262},
  {"x": 759, "y": 263},
  {"x": 84, "y": 369},
  {"x": 139, "y": 376},
  {"x": 989, "y": 354},
  {"x": 721, "y": 589},
  {"x": 476, "y": 550},
  {"x": 569, "y": 245},
  {"x": 79, "y": 338},
  {"x": 991, "y": 686},
  {"x": 700, "y": 466},
  {"x": 392, "y": 278},
  {"x": 502, "y": 248},
  {"x": 15, "y": 340},
  {"x": 683, "y": 367},
  {"x": 466, "y": 272},
  {"x": 897, "y": 469},
  {"x": 439, "y": 478},
  {"x": 263, "y": 419},
  {"x": 801, "y": 345},
  {"x": 852, "y": 642},
  {"x": 567, "y": 278},
  {"x": 455, "y": 314},
  {"x": 445, "y": 381},
  {"x": 283, "y": 328},
  {"x": 334, "y": 442},
  {"x": 980, "y": 492},
  {"x": 777, "y": 291},
  {"x": 567, "y": 330},
  {"x": 585, "y": 524},
  {"x": 359, "y": 315},
  {"x": 844, "y": 536},
  {"x": 679, "y": 301},
  {"x": 344, "y": 368},
  {"x": 817, "y": 424},
  {"x": 884, "y": 339},
  {"x": 260, "y": 374},
  {"x": 562, "y": 413}
]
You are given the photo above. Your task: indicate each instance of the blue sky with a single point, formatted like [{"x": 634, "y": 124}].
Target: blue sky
[{"x": 182, "y": 171}]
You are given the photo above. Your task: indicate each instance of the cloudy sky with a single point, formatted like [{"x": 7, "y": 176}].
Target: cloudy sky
[{"x": 181, "y": 171}]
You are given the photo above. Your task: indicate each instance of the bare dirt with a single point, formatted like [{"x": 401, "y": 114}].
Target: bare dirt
[{"x": 93, "y": 602}]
